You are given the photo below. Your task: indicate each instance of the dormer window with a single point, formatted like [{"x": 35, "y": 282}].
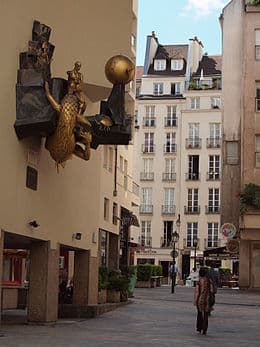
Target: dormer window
[
  {"x": 176, "y": 64},
  {"x": 160, "y": 64}
]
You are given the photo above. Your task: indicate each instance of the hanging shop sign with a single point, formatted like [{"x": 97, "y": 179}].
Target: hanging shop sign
[{"x": 228, "y": 230}]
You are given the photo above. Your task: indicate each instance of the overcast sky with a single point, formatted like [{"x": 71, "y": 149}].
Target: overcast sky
[{"x": 175, "y": 21}]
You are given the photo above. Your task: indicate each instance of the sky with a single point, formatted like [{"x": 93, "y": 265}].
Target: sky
[{"x": 176, "y": 21}]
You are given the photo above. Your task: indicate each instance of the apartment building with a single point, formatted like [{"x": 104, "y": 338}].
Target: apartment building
[
  {"x": 241, "y": 128},
  {"x": 178, "y": 136},
  {"x": 69, "y": 222}
]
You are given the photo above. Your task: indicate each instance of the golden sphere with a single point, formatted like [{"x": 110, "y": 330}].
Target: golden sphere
[{"x": 120, "y": 70}]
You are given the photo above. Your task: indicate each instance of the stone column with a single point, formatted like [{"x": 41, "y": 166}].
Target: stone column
[
  {"x": 244, "y": 264},
  {"x": 85, "y": 281},
  {"x": 1, "y": 267},
  {"x": 44, "y": 283}
]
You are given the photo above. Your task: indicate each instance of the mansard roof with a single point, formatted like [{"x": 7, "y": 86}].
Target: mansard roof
[
  {"x": 211, "y": 65},
  {"x": 169, "y": 52}
]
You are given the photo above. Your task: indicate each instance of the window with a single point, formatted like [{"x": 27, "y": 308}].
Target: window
[
  {"x": 121, "y": 163},
  {"x": 214, "y": 134},
  {"x": 147, "y": 173},
  {"x": 168, "y": 206},
  {"x": 167, "y": 233},
  {"x": 176, "y": 64},
  {"x": 31, "y": 177},
  {"x": 170, "y": 165},
  {"x": 148, "y": 143},
  {"x": 170, "y": 146},
  {"x": 193, "y": 173},
  {"x": 214, "y": 167},
  {"x": 125, "y": 174},
  {"x": 194, "y": 140},
  {"x": 146, "y": 240},
  {"x": 12, "y": 269},
  {"x": 115, "y": 213},
  {"x": 232, "y": 153},
  {"x": 149, "y": 119},
  {"x": 146, "y": 197},
  {"x": 105, "y": 165},
  {"x": 212, "y": 235},
  {"x": 195, "y": 103},
  {"x": 103, "y": 247},
  {"x": 158, "y": 88},
  {"x": 215, "y": 102},
  {"x": 213, "y": 200},
  {"x": 159, "y": 64},
  {"x": 257, "y": 150},
  {"x": 175, "y": 88},
  {"x": 193, "y": 200},
  {"x": 106, "y": 209},
  {"x": 171, "y": 119},
  {"x": 257, "y": 95},
  {"x": 257, "y": 44},
  {"x": 192, "y": 233}
]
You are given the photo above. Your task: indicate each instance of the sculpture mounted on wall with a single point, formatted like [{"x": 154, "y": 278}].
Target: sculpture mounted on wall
[{"x": 54, "y": 108}]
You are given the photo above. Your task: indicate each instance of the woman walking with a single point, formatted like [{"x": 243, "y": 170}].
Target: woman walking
[{"x": 201, "y": 300}]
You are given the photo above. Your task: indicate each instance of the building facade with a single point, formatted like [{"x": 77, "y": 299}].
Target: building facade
[
  {"x": 69, "y": 223},
  {"x": 178, "y": 136},
  {"x": 240, "y": 38}
]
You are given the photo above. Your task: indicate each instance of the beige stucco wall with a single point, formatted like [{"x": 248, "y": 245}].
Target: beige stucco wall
[{"x": 68, "y": 201}]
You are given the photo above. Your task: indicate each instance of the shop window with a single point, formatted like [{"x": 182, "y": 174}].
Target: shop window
[{"x": 12, "y": 270}]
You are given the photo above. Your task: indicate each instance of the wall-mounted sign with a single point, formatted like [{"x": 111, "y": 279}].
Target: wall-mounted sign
[
  {"x": 228, "y": 230},
  {"x": 233, "y": 246}
]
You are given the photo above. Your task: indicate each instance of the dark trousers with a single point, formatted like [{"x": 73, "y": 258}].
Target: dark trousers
[{"x": 202, "y": 321}]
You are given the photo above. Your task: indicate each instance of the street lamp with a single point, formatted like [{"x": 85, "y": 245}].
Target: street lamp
[
  {"x": 195, "y": 244},
  {"x": 175, "y": 239}
]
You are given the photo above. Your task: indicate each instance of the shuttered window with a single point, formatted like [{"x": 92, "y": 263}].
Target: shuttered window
[{"x": 257, "y": 150}]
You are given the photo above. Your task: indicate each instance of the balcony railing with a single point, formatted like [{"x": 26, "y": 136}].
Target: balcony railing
[
  {"x": 145, "y": 241},
  {"x": 135, "y": 188},
  {"x": 166, "y": 243},
  {"x": 192, "y": 176},
  {"x": 168, "y": 209},
  {"x": 169, "y": 176},
  {"x": 146, "y": 176},
  {"x": 193, "y": 143},
  {"x": 212, "y": 209},
  {"x": 212, "y": 242},
  {"x": 170, "y": 148},
  {"x": 188, "y": 243},
  {"x": 149, "y": 122},
  {"x": 170, "y": 122},
  {"x": 213, "y": 142},
  {"x": 213, "y": 175},
  {"x": 146, "y": 209},
  {"x": 192, "y": 209},
  {"x": 149, "y": 148}
]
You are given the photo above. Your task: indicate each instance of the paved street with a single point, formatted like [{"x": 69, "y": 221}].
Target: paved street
[{"x": 154, "y": 318}]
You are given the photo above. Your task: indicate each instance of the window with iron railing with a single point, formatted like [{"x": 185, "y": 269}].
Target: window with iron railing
[
  {"x": 145, "y": 238},
  {"x": 213, "y": 234},
  {"x": 167, "y": 234},
  {"x": 192, "y": 233}
]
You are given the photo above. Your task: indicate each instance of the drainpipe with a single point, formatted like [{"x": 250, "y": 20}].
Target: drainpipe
[{"x": 115, "y": 173}]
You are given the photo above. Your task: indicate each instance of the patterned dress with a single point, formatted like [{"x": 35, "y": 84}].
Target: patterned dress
[{"x": 203, "y": 294}]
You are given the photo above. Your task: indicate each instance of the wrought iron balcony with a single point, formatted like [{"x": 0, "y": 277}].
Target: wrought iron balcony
[
  {"x": 192, "y": 209},
  {"x": 213, "y": 175},
  {"x": 146, "y": 209},
  {"x": 192, "y": 176},
  {"x": 170, "y": 148},
  {"x": 149, "y": 122},
  {"x": 168, "y": 209},
  {"x": 193, "y": 142},
  {"x": 169, "y": 176},
  {"x": 148, "y": 148},
  {"x": 212, "y": 209},
  {"x": 212, "y": 242},
  {"x": 146, "y": 176},
  {"x": 166, "y": 243},
  {"x": 170, "y": 122},
  {"x": 145, "y": 241},
  {"x": 188, "y": 243},
  {"x": 213, "y": 142}
]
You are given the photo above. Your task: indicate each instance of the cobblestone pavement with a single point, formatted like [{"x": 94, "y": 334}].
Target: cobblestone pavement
[{"x": 154, "y": 318}]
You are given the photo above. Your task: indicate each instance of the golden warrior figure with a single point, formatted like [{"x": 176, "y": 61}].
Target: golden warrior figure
[{"x": 73, "y": 128}]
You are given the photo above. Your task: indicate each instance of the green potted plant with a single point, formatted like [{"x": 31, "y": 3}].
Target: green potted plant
[
  {"x": 144, "y": 273},
  {"x": 102, "y": 284},
  {"x": 117, "y": 287}
]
